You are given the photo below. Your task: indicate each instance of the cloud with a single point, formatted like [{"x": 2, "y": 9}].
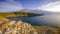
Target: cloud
[
  {"x": 10, "y": 5},
  {"x": 53, "y": 6},
  {"x": 10, "y": 0}
]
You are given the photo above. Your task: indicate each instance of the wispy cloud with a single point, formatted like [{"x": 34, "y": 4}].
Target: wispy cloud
[
  {"x": 53, "y": 6},
  {"x": 10, "y": 0},
  {"x": 10, "y": 5}
]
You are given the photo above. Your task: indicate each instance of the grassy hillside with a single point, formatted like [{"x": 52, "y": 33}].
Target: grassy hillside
[
  {"x": 5, "y": 14},
  {"x": 46, "y": 29},
  {"x": 13, "y": 14}
]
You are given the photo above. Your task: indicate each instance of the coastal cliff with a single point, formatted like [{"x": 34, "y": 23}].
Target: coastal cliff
[
  {"x": 19, "y": 14},
  {"x": 20, "y": 27}
]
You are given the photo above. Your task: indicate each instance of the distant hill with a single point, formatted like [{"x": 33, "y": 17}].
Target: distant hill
[{"x": 39, "y": 11}]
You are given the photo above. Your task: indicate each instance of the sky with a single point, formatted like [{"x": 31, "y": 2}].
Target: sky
[{"x": 16, "y": 5}]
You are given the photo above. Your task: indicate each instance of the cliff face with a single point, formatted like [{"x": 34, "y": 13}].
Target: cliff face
[{"x": 19, "y": 27}]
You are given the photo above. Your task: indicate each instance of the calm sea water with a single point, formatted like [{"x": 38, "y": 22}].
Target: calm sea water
[{"x": 46, "y": 20}]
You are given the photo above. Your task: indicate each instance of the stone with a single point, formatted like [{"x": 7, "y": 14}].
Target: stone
[{"x": 19, "y": 27}]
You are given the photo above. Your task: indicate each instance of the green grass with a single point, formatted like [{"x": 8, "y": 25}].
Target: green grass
[
  {"x": 4, "y": 14},
  {"x": 17, "y": 13},
  {"x": 36, "y": 26}
]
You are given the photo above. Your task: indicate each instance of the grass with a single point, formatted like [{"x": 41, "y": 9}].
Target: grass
[
  {"x": 13, "y": 13},
  {"x": 36, "y": 26},
  {"x": 4, "y": 14}
]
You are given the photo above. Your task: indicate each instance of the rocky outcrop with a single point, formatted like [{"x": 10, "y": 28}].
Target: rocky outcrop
[
  {"x": 18, "y": 27},
  {"x": 3, "y": 19}
]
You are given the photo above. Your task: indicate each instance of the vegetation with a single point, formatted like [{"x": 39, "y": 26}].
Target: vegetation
[
  {"x": 5, "y": 14},
  {"x": 18, "y": 14},
  {"x": 48, "y": 29}
]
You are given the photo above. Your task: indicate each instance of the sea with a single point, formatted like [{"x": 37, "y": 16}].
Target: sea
[{"x": 44, "y": 20}]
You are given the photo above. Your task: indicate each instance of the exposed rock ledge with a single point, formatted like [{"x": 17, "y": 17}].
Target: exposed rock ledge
[{"x": 19, "y": 27}]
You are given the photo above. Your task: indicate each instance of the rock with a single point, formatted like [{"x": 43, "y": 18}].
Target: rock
[
  {"x": 19, "y": 28},
  {"x": 2, "y": 19},
  {"x": 12, "y": 23}
]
